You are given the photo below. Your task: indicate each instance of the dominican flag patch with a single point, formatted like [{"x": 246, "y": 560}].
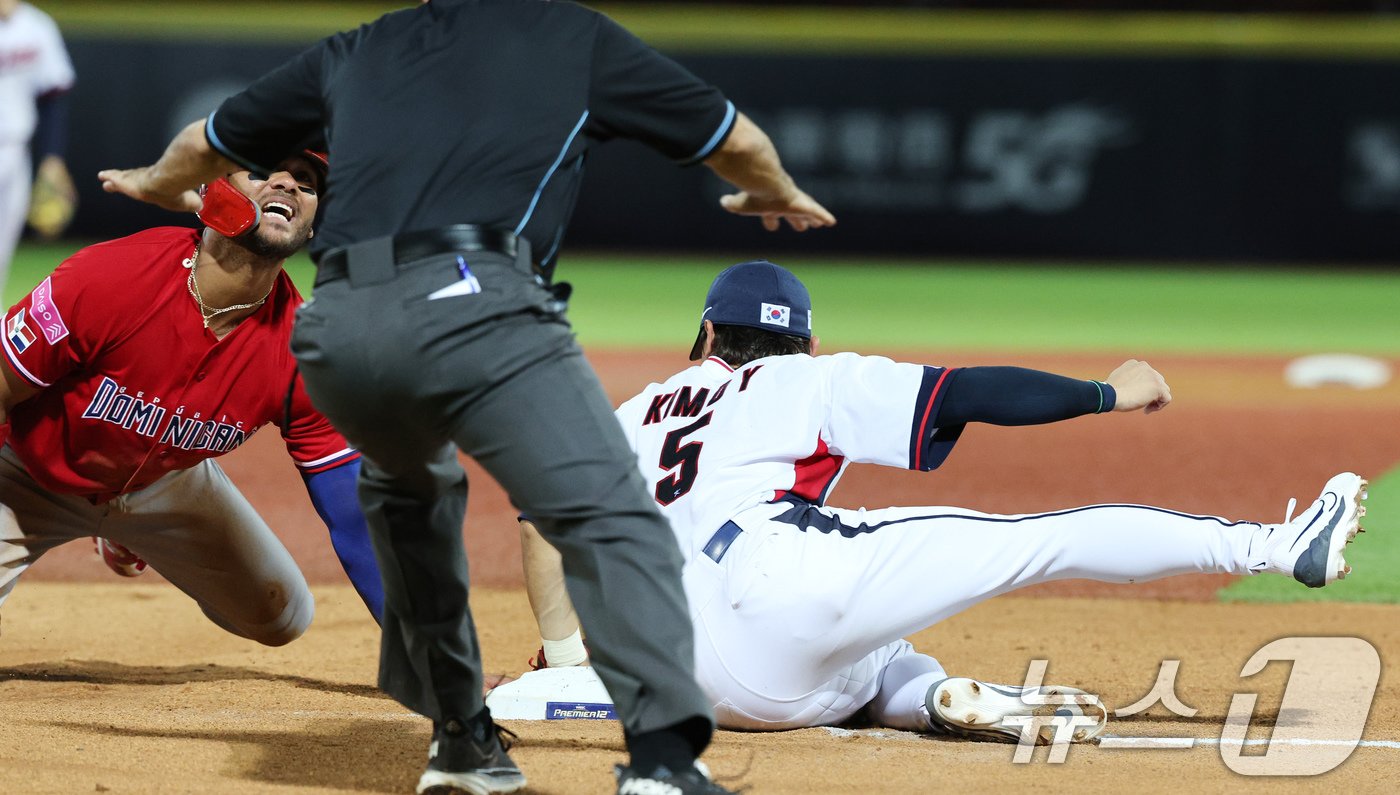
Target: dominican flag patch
[
  {"x": 20, "y": 335},
  {"x": 775, "y": 315}
]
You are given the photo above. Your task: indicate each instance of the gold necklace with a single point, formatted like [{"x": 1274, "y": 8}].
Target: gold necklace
[{"x": 207, "y": 312}]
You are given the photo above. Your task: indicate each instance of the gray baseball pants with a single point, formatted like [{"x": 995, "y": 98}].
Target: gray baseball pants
[
  {"x": 409, "y": 379},
  {"x": 193, "y": 526}
]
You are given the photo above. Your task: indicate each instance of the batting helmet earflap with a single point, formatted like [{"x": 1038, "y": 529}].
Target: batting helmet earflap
[
  {"x": 230, "y": 213},
  {"x": 226, "y": 210}
]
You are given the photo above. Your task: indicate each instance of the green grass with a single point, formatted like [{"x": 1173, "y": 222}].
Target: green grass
[
  {"x": 1375, "y": 557},
  {"x": 631, "y": 301},
  {"x": 710, "y": 27},
  {"x": 1008, "y": 306}
]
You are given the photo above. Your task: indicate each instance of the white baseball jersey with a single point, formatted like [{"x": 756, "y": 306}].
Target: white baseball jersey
[
  {"x": 713, "y": 441},
  {"x": 800, "y": 609},
  {"x": 33, "y": 62}
]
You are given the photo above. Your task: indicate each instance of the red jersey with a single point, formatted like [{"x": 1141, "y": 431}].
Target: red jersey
[{"x": 132, "y": 384}]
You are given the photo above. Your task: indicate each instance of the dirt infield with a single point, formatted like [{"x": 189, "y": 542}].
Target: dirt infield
[{"x": 124, "y": 687}]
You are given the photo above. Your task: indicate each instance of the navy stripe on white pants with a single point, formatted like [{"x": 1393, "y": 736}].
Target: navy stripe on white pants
[{"x": 810, "y": 597}]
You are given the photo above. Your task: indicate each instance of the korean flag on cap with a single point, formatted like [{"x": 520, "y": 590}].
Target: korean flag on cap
[{"x": 775, "y": 315}]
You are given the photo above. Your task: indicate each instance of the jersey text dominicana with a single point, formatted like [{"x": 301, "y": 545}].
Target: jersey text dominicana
[
  {"x": 713, "y": 441},
  {"x": 132, "y": 384}
]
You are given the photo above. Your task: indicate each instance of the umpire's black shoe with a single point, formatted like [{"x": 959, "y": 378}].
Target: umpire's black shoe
[
  {"x": 469, "y": 758},
  {"x": 661, "y": 781}
]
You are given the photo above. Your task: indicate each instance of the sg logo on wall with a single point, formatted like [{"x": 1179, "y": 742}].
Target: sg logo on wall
[
  {"x": 1374, "y": 179},
  {"x": 921, "y": 160}
]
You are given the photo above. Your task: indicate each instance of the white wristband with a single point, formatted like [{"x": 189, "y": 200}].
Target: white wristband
[{"x": 565, "y": 653}]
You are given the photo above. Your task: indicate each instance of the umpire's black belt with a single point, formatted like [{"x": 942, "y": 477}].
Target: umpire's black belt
[{"x": 376, "y": 260}]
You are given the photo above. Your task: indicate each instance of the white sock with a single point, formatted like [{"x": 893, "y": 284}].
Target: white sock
[{"x": 899, "y": 704}]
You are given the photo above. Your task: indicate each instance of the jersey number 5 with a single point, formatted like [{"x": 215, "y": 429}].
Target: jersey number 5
[{"x": 687, "y": 457}]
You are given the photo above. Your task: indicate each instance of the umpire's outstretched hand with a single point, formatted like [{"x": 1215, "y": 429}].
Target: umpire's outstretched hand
[
  {"x": 801, "y": 211},
  {"x": 137, "y": 183},
  {"x": 188, "y": 162},
  {"x": 748, "y": 161},
  {"x": 1139, "y": 387}
]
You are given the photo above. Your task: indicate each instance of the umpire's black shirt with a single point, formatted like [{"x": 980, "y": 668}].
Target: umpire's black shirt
[{"x": 468, "y": 111}]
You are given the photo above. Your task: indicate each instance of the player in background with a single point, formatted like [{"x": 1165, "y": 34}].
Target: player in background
[
  {"x": 137, "y": 363},
  {"x": 800, "y": 608},
  {"x": 35, "y": 75}
]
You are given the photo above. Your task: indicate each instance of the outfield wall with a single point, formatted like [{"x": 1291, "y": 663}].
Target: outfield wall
[{"x": 961, "y": 134}]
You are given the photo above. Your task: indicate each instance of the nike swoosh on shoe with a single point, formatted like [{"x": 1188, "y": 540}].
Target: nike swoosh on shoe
[{"x": 1310, "y": 570}]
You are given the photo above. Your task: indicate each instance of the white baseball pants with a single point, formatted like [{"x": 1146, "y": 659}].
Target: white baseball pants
[
  {"x": 15, "y": 185},
  {"x": 798, "y": 622}
]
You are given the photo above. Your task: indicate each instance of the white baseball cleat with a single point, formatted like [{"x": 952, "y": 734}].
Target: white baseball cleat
[
  {"x": 1002, "y": 712},
  {"x": 118, "y": 558},
  {"x": 1310, "y": 545}
]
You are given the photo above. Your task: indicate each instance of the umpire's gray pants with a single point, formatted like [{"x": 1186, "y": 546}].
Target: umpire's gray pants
[{"x": 404, "y": 377}]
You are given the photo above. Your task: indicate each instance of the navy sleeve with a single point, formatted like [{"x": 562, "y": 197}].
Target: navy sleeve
[
  {"x": 1019, "y": 396},
  {"x": 334, "y": 496},
  {"x": 51, "y": 131},
  {"x": 281, "y": 113},
  {"x": 636, "y": 92},
  {"x": 932, "y": 438}
]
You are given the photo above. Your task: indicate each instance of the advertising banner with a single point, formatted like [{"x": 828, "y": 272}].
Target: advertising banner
[{"x": 1047, "y": 157}]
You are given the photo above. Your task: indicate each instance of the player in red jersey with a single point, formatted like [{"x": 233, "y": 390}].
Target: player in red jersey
[{"x": 139, "y": 361}]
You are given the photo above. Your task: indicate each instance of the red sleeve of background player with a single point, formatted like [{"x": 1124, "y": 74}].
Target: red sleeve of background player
[
  {"x": 40, "y": 342},
  {"x": 315, "y": 446}
]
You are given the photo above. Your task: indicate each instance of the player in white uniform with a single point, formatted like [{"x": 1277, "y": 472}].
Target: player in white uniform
[
  {"x": 800, "y": 609},
  {"x": 34, "y": 74}
]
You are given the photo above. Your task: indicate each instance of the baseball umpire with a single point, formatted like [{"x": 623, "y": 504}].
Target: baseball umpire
[
  {"x": 457, "y": 133},
  {"x": 801, "y": 608}
]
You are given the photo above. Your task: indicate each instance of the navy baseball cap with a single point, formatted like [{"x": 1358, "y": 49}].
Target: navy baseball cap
[{"x": 759, "y": 294}]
